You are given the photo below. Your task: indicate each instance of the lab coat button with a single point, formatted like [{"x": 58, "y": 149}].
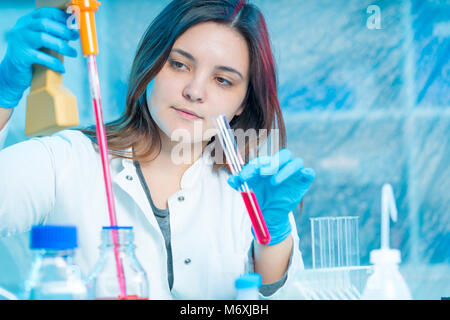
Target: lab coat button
[
  {"x": 180, "y": 198},
  {"x": 128, "y": 177},
  {"x": 187, "y": 261}
]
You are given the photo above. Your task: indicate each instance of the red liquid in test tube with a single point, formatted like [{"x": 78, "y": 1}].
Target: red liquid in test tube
[
  {"x": 235, "y": 162},
  {"x": 256, "y": 217}
]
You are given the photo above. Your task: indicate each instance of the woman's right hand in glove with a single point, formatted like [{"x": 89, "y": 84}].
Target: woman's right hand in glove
[{"x": 42, "y": 28}]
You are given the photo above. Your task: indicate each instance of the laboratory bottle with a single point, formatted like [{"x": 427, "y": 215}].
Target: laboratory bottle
[
  {"x": 117, "y": 251},
  {"x": 386, "y": 282},
  {"x": 54, "y": 274},
  {"x": 247, "y": 286}
]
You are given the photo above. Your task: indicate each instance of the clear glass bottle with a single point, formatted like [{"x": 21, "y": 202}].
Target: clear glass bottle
[
  {"x": 54, "y": 274},
  {"x": 247, "y": 286},
  {"x": 103, "y": 282}
]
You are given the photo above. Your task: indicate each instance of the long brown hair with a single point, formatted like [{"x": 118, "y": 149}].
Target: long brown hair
[{"x": 262, "y": 108}]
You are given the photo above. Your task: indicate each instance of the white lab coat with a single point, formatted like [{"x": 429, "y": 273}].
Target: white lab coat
[{"x": 59, "y": 180}]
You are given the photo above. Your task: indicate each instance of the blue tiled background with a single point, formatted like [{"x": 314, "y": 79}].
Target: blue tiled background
[{"x": 362, "y": 106}]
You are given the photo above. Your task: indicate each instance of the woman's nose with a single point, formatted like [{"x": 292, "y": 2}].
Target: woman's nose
[{"x": 195, "y": 91}]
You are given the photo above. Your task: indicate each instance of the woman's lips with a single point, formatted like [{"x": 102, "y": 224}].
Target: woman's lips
[{"x": 187, "y": 114}]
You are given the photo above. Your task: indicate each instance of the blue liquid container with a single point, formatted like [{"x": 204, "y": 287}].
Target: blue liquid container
[{"x": 54, "y": 274}]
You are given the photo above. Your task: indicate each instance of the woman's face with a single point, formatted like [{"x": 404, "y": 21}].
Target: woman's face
[{"x": 207, "y": 73}]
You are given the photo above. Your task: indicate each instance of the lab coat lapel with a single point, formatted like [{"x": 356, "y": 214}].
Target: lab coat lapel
[
  {"x": 193, "y": 175},
  {"x": 128, "y": 180}
]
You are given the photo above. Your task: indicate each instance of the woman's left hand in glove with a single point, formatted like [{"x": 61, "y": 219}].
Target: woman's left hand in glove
[{"x": 279, "y": 182}]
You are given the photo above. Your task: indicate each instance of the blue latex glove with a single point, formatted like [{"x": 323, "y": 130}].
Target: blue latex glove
[
  {"x": 42, "y": 28},
  {"x": 279, "y": 183}
]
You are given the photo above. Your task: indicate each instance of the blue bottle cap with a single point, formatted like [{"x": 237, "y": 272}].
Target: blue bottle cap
[
  {"x": 53, "y": 237},
  {"x": 249, "y": 280}
]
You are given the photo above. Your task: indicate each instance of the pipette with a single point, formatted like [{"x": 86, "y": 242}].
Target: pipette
[
  {"x": 88, "y": 37},
  {"x": 235, "y": 163}
]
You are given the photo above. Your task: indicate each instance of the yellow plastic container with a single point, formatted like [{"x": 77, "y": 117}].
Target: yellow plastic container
[{"x": 50, "y": 106}]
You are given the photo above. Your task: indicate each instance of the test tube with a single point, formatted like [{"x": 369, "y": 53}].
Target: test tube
[{"x": 235, "y": 163}]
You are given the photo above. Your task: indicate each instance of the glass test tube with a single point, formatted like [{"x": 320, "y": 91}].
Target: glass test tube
[{"x": 235, "y": 163}]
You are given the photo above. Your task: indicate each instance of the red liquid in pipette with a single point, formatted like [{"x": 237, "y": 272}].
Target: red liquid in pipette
[
  {"x": 257, "y": 219},
  {"x": 103, "y": 146}
]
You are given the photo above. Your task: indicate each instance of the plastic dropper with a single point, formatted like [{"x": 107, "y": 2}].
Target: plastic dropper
[{"x": 89, "y": 44}]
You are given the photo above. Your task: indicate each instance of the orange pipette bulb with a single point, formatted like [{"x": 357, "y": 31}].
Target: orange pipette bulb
[{"x": 88, "y": 33}]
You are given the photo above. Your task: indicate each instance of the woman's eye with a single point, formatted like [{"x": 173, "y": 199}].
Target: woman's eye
[
  {"x": 177, "y": 64},
  {"x": 223, "y": 82}
]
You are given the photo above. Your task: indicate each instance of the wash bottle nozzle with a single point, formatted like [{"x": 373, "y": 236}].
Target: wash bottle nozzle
[{"x": 388, "y": 210}]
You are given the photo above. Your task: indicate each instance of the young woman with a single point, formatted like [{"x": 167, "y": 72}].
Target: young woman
[{"x": 198, "y": 59}]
